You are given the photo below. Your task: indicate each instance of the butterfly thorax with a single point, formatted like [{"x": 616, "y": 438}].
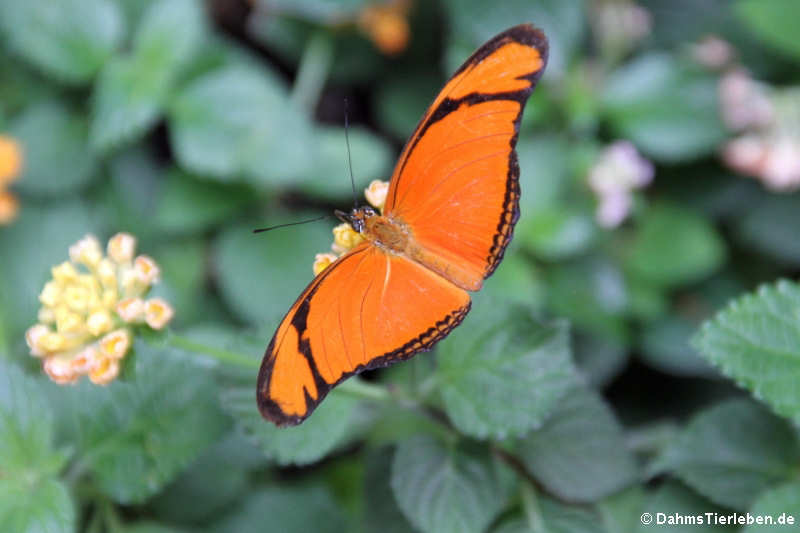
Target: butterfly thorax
[{"x": 383, "y": 231}]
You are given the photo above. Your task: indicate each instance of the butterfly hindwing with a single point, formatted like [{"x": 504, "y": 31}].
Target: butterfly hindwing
[
  {"x": 456, "y": 184},
  {"x": 361, "y": 312}
]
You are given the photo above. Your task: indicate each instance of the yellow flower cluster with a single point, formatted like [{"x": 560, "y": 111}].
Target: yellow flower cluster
[
  {"x": 345, "y": 238},
  {"x": 10, "y": 165},
  {"x": 88, "y": 309}
]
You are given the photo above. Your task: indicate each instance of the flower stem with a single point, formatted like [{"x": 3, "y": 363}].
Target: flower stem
[
  {"x": 314, "y": 67},
  {"x": 356, "y": 386},
  {"x": 530, "y": 506},
  {"x": 223, "y": 356}
]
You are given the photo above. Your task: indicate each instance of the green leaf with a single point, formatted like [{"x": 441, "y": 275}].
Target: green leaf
[
  {"x": 755, "y": 340},
  {"x": 238, "y": 123},
  {"x": 671, "y": 501},
  {"x": 260, "y": 278},
  {"x": 768, "y": 227},
  {"x": 149, "y": 527},
  {"x": 731, "y": 452},
  {"x": 545, "y": 170},
  {"x": 472, "y": 25},
  {"x": 330, "y": 175},
  {"x": 580, "y": 453},
  {"x": 288, "y": 509},
  {"x": 503, "y": 374},
  {"x": 665, "y": 346},
  {"x": 327, "y": 428},
  {"x": 29, "y": 496},
  {"x": 128, "y": 99},
  {"x": 675, "y": 246},
  {"x": 781, "y": 504},
  {"x": 187, "y": 204},
  {"x": 401, "y": 99},
  {"x": 213, "y": 483},
  {"x": 557, "y": 233},
  {"x": 43, "y": 506},
  {"x": 137, "y": 436},
  {"x": 667, "y": 110},
  {"x": 548, "y": 516},
  {"x": 381, "y": 513},
  {"x": 599, "y": 359},
  {"x": 772, "y": 21},
  {"x": 132, "y": 91},
  {"x": 54, "y": 143},
  {"x": 591, "y": 293},
  {"x": 621, "y": 512},
  {"x": 69, "y": 39},
  {"x": 38, "y": 240},
  {"x": 446, "y": 489},
  {"x": 183, "y": 277}
]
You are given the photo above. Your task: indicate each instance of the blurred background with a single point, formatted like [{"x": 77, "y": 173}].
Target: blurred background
[{"x": 660, "y": 158}]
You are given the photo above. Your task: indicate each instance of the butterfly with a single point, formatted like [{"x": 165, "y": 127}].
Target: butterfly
[{"x": 450, "y": 211}]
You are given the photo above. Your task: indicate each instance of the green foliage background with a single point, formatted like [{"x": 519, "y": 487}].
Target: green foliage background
[{"x": 600, "y": 375}]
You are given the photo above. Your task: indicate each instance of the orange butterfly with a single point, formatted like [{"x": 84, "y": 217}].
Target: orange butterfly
[{"x": 450, "y": 211}]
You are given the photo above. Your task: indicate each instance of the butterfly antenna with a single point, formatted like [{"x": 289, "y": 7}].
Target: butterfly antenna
[
  {"x": 260, "y": 230},
  {"x": 349, "y": 157}
]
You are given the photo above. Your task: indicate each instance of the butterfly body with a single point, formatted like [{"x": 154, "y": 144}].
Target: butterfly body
[{"x": 449, "y": 215}]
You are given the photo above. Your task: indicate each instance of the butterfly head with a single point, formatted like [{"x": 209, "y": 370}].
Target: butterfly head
[{"x": 357, "y": 218}]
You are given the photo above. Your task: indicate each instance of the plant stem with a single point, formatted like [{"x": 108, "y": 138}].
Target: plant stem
[
  {"x": 530, "y": 506},
  {"x": 356, "y": 386},
  {"x": 314, "y": 67},
  {"x": 223, "y": 356}
]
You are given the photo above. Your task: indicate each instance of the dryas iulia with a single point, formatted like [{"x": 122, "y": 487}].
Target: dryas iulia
[{"x": 450, "y": 211}]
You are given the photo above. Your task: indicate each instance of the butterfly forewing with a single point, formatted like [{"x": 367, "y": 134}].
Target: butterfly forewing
[{"x": 456, "y": 184}]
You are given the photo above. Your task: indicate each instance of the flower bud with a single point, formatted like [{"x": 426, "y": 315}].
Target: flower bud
[
  {"x": 157, "y": 313},
  {"x": 121, "y": 247}
]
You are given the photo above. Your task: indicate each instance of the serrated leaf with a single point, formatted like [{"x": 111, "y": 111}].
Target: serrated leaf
[
  {"x": 472, "y": 24},
  {"x": 446, "y": 489},
  {"x": 238, "y": 123},
  {"x": 212, "y": 483},
  {"x": 56, "y": 159},
  {"x": 548, "y": 516},
  {"x": 779, "y": 504},
  {"x": 30, "y": 498},
  {"x": 665, "y": 346},
  {"x": 557, "y": 233},
  {"x": 42, "y": 506},
  {"x": 329, "y": 176},
  {"x": 69, "y": 39},
  {"x": 675, "y": 246},
  {"x": 48, "y": 232},
  {"x": 673, "y": 501},
  {"x": 259, "y": 280},
  {"x": 132, "y": 91},
  {"x": 503, "y": 374},
  {"x": 381, "y": 513},
  {"x": 149, "y": 527},
  {"x": 187, "y": 204},
  {"x": 772, "y": 21},
  {"x": 755, "y": 340},
  {"x": 621, "y": 512},
  {"x": 667, "y": 110},
  {"x": 579, "y": 454},
  {"x": 128, "y": 100},
  {"x": 309, "y": 442},
  {"x": 138, "y": 435},
  {"x": 731, "y": 452},
  {"x": 591, "y": 293},
  {"x": 288, "y": 509}
]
